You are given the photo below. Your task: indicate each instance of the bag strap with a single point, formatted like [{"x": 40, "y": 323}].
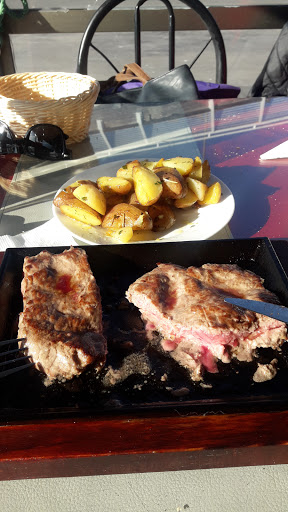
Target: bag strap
[{"x": 132, "y": 72}]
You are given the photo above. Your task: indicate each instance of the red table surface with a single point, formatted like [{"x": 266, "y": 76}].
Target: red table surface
[
  {"x": 8, "y": 165},
  {"x": 260, "y": 188}
]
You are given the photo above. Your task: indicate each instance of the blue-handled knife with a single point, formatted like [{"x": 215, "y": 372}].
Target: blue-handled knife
[{"x": 264, "y": 308}]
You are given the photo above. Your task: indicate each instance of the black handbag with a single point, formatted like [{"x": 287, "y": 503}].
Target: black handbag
[{"x": 175, "y": 85}]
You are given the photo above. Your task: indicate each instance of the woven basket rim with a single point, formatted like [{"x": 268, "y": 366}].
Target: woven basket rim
[
  {"x": 64, "y": 100},
  {"x": 93, "y": 85},
  {"x": 49, "y": 73}
]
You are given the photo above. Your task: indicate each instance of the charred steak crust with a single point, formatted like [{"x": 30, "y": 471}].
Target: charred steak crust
[
  {"x": 62, "y": 314},
  {"x": 186, "y": 306}
]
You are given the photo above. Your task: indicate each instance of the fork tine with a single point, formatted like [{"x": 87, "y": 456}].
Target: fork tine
[
  {"x": 8, "y": 352},
  {"x": 15, "y": 370},
  {"x": 6, "y": 342},
  {"x": 15, "y": 360}
]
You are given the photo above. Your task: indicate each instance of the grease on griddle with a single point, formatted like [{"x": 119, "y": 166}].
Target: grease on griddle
[{"x": 134, "y": 364}]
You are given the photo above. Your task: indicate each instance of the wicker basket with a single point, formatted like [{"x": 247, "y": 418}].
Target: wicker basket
[{"x": 63, "y": 99}]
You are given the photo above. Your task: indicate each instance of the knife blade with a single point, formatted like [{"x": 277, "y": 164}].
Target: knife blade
[{"x": 264, "y": 308}]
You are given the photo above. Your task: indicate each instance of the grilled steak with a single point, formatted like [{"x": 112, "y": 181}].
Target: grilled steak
[
  {"x": 62, "y": 314},
  {"x": 186, "y": 306}
]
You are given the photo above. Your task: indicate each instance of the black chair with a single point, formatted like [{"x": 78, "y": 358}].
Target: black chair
[{"x": 196, "y": 5}]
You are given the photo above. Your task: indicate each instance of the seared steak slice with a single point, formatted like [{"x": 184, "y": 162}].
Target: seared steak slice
[
  {"x": 62, "y": 314},
  {"x": 186, "y": 306}
]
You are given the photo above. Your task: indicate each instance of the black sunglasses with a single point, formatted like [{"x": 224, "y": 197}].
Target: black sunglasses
[{"x": 45, "y": 141}]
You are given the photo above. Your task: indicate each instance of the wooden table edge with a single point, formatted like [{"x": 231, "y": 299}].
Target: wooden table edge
[{"x": 143, "y": 443}]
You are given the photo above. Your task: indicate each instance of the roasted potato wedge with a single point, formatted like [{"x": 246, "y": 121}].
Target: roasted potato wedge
[
  {"x": 132, "y": 199},
  {"x": 126, "y": 215},
  {"x": 162, "y": 215},
  {"x": 122, "y": 235},
  {"x": 125, "y": 173},
  {"x": 63, "y": 198},
  {"x": 148, "y": 164},
  {"x": 132, "y": 164},
  {"x": 114, "y": 184},
  {"x": 174, "y": 185},
  {"x": 197, "y": 187},
  {"x": 197, "y": 169},
  {"x": 113, "y": 199},
  {"x": 72, "y": 187},
  {"x": 76, "y": 184},
  {"x": 92, "y": 196},
  {"x": 159, "y": 163},
  {"x": 213, "y": 194},
  {"x": 181, "y": 164},
  {"x": 148, "y": 186},
  {"x": 186, "y": 201},
  {"x": 76, "y": 209},
  {"x": 80, "y": 211},
  {"x": 206, "y": 172}
]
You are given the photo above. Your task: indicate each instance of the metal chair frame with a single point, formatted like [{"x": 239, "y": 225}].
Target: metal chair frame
[{"x": 196, "y": 5}]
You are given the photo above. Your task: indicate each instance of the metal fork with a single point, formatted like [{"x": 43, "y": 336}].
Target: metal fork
[{"x": 12, "y": 359}]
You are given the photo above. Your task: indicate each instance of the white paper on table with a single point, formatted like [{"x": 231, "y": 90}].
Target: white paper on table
[
  {"x": 280, "y": 151},
  {"x": 49, "y": 234}
]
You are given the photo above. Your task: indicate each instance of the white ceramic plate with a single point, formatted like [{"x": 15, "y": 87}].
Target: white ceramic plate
[{"x": 191, "y": 224}]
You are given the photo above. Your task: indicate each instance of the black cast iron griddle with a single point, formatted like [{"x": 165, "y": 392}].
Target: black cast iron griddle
[{"x": 136, "y": 375}]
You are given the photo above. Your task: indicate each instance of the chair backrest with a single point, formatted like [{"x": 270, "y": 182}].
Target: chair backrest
[{"x": 196, "y": 5}]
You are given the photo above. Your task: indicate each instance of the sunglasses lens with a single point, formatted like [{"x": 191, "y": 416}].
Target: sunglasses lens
[
  {"x": 7, "y": 141},
  {"x": 46, "y": 141}
]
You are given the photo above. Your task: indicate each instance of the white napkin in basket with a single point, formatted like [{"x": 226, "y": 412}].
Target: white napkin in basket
[{"x": 49, "y": 234}]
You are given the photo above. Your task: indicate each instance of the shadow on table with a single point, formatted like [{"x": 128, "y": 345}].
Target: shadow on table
[
  {"x": 252, "y": 208},
  {"x": 15, "y": 225}
]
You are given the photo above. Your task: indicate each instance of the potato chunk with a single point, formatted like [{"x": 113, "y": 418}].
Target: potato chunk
[
  {"x": 213, "y": 194},
  {"x": 114, "y": 184},
  {"x": 125, "y": 173},
  {"x": 148, "y": 187},
  {"x": 162, "y": 215},
  {"x": 197, "y": 169},
  {"x": 92, "y": 196},
  {"x": 76, "y": 209},
  {"x": 132, "y": 164},
  {"x": 132, "y": 199},
  {"x": 182, "y": 164},
  {"x": 126, "y": 215},
  {"x": 113, "y": 199},
  {"x": 148, "y": 164},
  {"x": 206, "y": 172},
  {"x": 63, "y": 197},
  {"x": 186, "y": 201},
  {"x": 197, "y": 187},
  {"x": 122, "y": 235},
  {"x": 174, "y": 185},
  {"x": 82, "y": 212}
]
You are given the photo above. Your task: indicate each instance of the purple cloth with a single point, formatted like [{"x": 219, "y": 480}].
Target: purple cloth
[{"x": 207, "y": 90}]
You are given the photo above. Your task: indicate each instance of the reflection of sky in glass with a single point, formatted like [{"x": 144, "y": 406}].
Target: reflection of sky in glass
[
  {"x": 236, "y": 116},
  {"x": 184, "y": 134},
  {"x": 275, "y": 109}
]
